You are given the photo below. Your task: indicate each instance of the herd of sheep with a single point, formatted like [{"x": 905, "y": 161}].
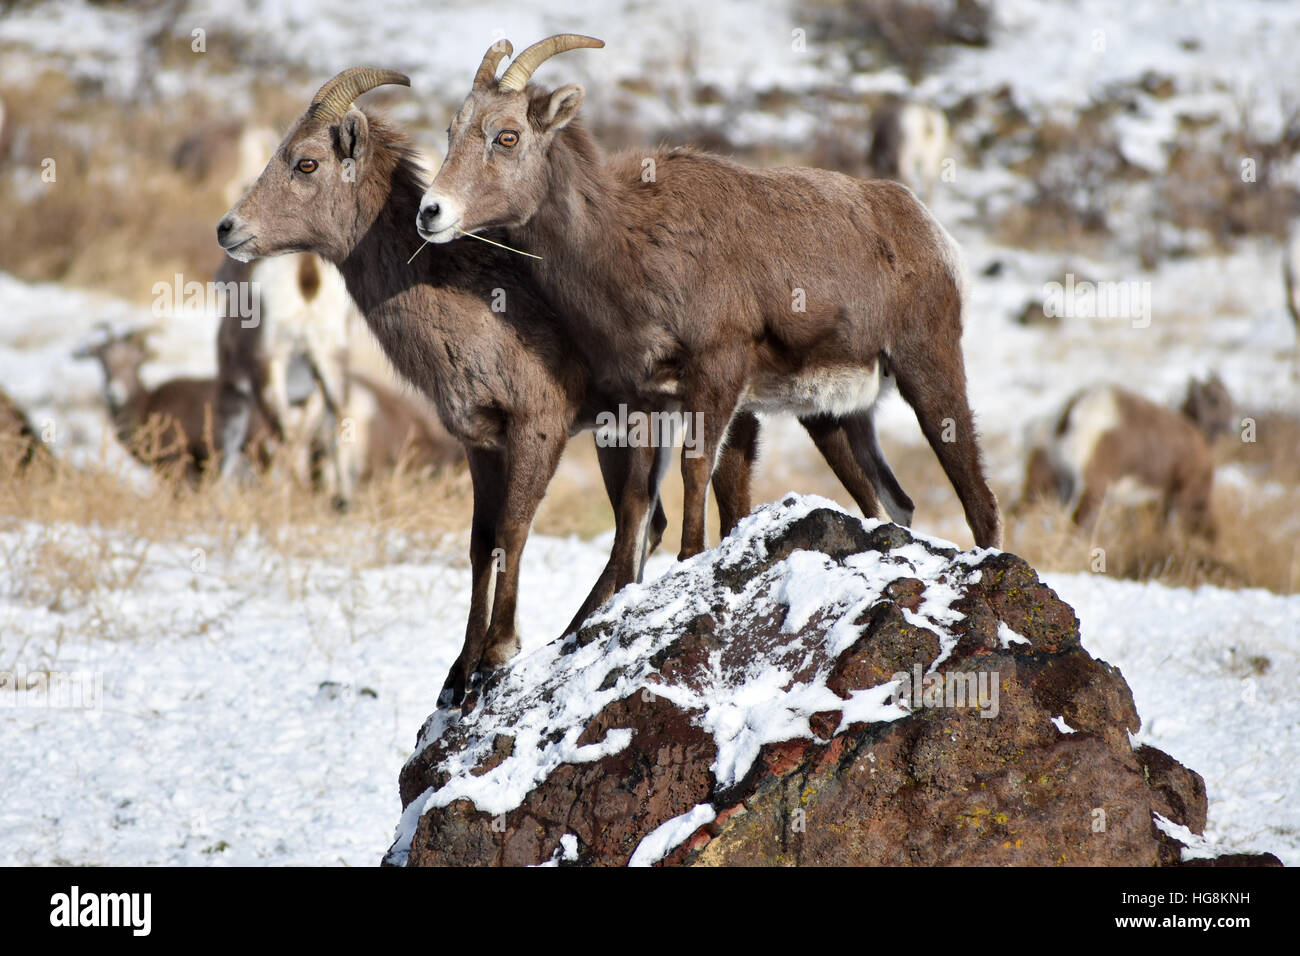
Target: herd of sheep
[{"x": 664, "y": 283}]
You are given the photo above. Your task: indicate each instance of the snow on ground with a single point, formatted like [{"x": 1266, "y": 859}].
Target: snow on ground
[
  {"x": 253, "y": 713},
  {"x": 258, "y": 712},
  {"x": 1216, "y": 678}
]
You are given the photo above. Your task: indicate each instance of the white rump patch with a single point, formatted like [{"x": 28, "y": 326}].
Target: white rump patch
[{"x": 1093, "y": 416}]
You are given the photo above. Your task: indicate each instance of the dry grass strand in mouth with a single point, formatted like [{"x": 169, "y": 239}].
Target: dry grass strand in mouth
[{"x": 491, "y": 242}]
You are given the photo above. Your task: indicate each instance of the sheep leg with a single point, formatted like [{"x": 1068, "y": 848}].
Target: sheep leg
[
  {"x": 932, "y": 379},
  {"x": 731, "y": 479},
  {"x": 1191, "y": 502},
  {"x": 861, "y": 430},
  {"x": 530, "y": 464},
  {"x": 486, "y": 469},
  {"x": 832, "y": 440},
  {"x": 713, "y": 408},
  {"x": 1088, "y": 508},
  {"x": 333, "y": 392},
  {"x": 1041, "y": 480},
  {"x": 630, "y": 481},
  {"x": 614, "y": 471},
  {"x": 234, "y": 421}
]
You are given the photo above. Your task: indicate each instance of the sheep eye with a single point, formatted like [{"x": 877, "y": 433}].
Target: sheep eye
[
  {"x": 306, "y": 165},
  {"x": 507, "y": 138}
]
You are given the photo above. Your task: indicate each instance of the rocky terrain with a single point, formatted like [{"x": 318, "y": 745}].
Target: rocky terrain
[{"x": 820, "y": 690}]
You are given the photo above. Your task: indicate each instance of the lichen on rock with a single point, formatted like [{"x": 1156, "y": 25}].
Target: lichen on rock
[{"x": 817, "y": 690}]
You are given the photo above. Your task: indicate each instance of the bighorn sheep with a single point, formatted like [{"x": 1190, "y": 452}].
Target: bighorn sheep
[
  {"x": 465, "y": 325},
  {"x": 1107, "y": 437},
  {"x": 19, "y": 443},
  {"x": 287, "y": 359},
  {"x": 170, "y": 428},
  {"x": 695, "y": 282},
  {"x": 908, "y": 140},
  {"x": 392, "y": 431}
]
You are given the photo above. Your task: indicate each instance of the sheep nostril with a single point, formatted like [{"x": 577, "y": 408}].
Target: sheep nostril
[
  {"x": 429, "y": 214},
  {"x": 223, "y": 229}
]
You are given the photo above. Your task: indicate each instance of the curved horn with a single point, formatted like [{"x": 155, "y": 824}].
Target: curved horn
[
  {"x": 516, "y": 77},
  {"x": 487, "y": 70},
  {"x": 335, "y": 98}
]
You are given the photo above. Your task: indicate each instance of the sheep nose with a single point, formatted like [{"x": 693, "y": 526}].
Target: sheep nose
[
  {"x": 223, "y": 229},
  {"x": 429, "y": 215}
]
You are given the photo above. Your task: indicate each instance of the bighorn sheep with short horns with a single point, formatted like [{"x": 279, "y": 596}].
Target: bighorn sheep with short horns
[
  {"x": 465, "y": 325},
  {"x": 171, "y": 427},
  {"x": 690, "y": 279},
  {"x": 1107, "y": 437}
]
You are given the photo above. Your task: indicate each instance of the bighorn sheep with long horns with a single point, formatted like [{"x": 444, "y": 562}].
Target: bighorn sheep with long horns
[
  {"x": 465, "y": 325},
  {"x": 696, "y": 282},
  {"x": 1108, "y": 440}
]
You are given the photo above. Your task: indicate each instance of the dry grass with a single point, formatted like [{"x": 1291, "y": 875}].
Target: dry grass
[
  {"x": 403, "y": 516},
  {"x": 1258, "y": 528},
  {"x": 414, "y": 518},
  {"x": 1257, "y": 545},
  {"x": 118, "y": 215}
]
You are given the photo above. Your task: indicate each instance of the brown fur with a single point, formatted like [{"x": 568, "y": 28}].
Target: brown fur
[
  {"x": 506, "y": 384},
  {"x": 401, "y": 434},
  {"x": 170, "y": 428},
  {"x": 1165, "y": 451},
  {"x": 680, "y": 288}
]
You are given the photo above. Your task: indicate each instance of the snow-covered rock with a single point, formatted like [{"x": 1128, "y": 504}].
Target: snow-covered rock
[{"x": 817, "y": 690}]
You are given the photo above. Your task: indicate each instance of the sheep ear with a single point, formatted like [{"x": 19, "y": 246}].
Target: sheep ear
[
  {"x": 563, "y": 107},
  {"x": 353, "y": 129}
]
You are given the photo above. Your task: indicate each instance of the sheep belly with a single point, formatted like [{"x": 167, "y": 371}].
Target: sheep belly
[{"x": 838, "y": 392}]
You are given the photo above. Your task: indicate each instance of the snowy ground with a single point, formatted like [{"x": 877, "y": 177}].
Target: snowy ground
[{"x": 258, "y": 713}]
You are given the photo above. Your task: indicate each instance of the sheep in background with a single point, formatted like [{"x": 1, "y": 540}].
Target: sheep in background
[
  {"x": 287, "y": 362},
  {"x": 230, "y": 153},
  {"x": 393, "y": 430},
  {"x": 1108, "y": 439},
  {"x": 169, "y": 428},
  {"x": 908, "y": 142}
]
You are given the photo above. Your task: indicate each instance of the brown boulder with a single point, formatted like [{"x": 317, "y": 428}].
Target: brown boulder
[{"x": 818, "y": 690}]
